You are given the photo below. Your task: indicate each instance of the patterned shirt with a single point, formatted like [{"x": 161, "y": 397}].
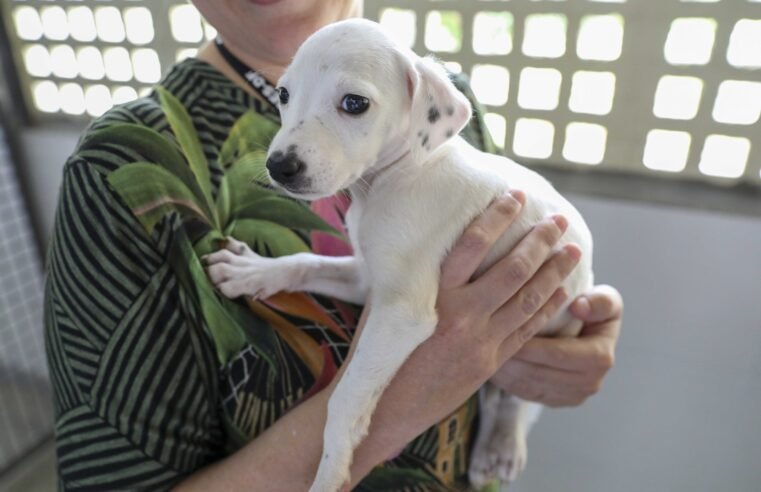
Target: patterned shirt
[{"x": 141, "y": 398}]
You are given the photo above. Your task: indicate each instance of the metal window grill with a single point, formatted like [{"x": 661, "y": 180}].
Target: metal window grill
[
  {"x": 668, "y": 89},
  {"x": 77, "y": 58},
  {"x": 25, "y": 402}
]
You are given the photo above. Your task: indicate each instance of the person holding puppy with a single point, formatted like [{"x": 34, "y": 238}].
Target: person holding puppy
[{"x": 140, "y": 400}]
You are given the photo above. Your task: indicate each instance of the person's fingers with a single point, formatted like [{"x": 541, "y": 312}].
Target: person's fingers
[
  {"x": 571, "y": 354},
  {"x": 594, "y": 348},
  {"x": 601, "y": 303},
  {"x": 510, "y": 345},
  {"x": 504, "y": 279},
  {"x": 551, "y": 393},
  {"x": 478, "y": 238},
  {"x": 515, "y": 369},
  {"x": 547, "y": 386},
  {"x": 530, "y": 298}
]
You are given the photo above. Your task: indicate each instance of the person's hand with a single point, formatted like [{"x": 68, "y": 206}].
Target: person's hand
[
  {"x": 562, "y": 372},
  {"x": 483, "y": 321}
]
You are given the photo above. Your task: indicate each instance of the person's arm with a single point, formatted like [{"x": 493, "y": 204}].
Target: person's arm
[
  {"x": 482, "y": 323},
  {"x": 563, "y": 372}
]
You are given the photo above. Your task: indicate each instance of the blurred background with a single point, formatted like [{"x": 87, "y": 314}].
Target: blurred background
[{"x": 644, "y": 113}]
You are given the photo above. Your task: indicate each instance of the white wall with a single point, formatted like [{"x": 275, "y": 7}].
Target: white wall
[{"x": 681, "y": 409}]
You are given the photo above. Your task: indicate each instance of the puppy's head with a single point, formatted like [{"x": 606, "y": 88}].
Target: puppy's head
[{"x": 353, "y": 102}]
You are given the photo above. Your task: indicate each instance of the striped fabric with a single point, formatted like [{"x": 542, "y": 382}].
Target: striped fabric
[{"x": 140, "y": 398}]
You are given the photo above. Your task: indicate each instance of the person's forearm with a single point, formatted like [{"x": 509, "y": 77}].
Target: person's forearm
[{"x": 286, "y": 455}]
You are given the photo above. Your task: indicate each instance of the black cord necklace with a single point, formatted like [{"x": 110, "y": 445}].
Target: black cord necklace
[{"x": 256, "y": 80}]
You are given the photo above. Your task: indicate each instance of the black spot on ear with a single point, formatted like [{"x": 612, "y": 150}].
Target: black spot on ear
[
  {"x": 433, "y": 114},
  {"x": 424, "y": 143},
  {"x": 449, "y": 133},
  {"x": 450, "y": 110}
]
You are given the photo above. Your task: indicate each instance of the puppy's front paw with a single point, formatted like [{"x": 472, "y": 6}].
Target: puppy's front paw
[
  {"x": 504, "y": 458},
  {"x": 237, "y": 271}
]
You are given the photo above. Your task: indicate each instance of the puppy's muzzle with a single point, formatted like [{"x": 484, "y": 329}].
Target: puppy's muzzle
[{"x": 285, "y": 168}]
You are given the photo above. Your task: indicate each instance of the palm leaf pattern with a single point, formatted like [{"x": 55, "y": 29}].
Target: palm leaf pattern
[{"x": 178, "y": 181}]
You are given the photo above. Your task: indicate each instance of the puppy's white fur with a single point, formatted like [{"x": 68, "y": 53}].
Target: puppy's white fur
[{"x": 415, "y": 186}]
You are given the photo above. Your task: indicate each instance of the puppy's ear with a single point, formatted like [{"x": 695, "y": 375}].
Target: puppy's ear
[{"x": 438, "y": 110}]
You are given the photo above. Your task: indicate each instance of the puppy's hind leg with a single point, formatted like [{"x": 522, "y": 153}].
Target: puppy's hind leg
[
  {"x": 391, "y": 334},
  {"x": 483, "y": 464},
  {"x": 501, "y": 451}
]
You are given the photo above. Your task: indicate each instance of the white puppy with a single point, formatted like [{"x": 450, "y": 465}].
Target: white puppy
[{"x": 360, "y": 112}]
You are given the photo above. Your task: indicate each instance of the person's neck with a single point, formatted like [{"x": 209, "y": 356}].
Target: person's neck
[{"x": 272, "y": 71}]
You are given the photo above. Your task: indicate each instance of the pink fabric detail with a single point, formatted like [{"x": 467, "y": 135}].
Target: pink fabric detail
[{"x": 332, "y": 210}]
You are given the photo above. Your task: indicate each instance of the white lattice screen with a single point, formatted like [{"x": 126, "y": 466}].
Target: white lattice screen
[
  {"x": 80, "y": 57},
  {"x": 663, "y": 87},
  {"x": 25, "y": 400},
  {"x": 667, "y": 88}
]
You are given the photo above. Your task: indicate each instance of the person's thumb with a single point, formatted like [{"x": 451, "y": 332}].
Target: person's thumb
[{"x": 601, "y": 303}]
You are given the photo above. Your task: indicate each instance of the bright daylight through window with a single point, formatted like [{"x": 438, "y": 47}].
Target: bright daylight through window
[{"x": 565, "y": 83}]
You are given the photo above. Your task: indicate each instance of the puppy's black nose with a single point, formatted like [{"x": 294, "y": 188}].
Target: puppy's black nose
[{"x": 285, "y": 168}]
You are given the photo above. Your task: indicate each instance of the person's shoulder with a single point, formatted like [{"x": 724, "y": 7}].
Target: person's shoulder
[
  {"x": 184, "y": 80},
  {"x": 192, "y": 82},
  {"x": 137, "y": 111},
  {"x": 144, "y": 111},
  {"x": 105, "y": 155}
]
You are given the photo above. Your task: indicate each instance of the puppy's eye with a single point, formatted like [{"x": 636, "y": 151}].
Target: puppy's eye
[
  {"x": 354, "y": 104},
  {"x": 283, "y": 94}
]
